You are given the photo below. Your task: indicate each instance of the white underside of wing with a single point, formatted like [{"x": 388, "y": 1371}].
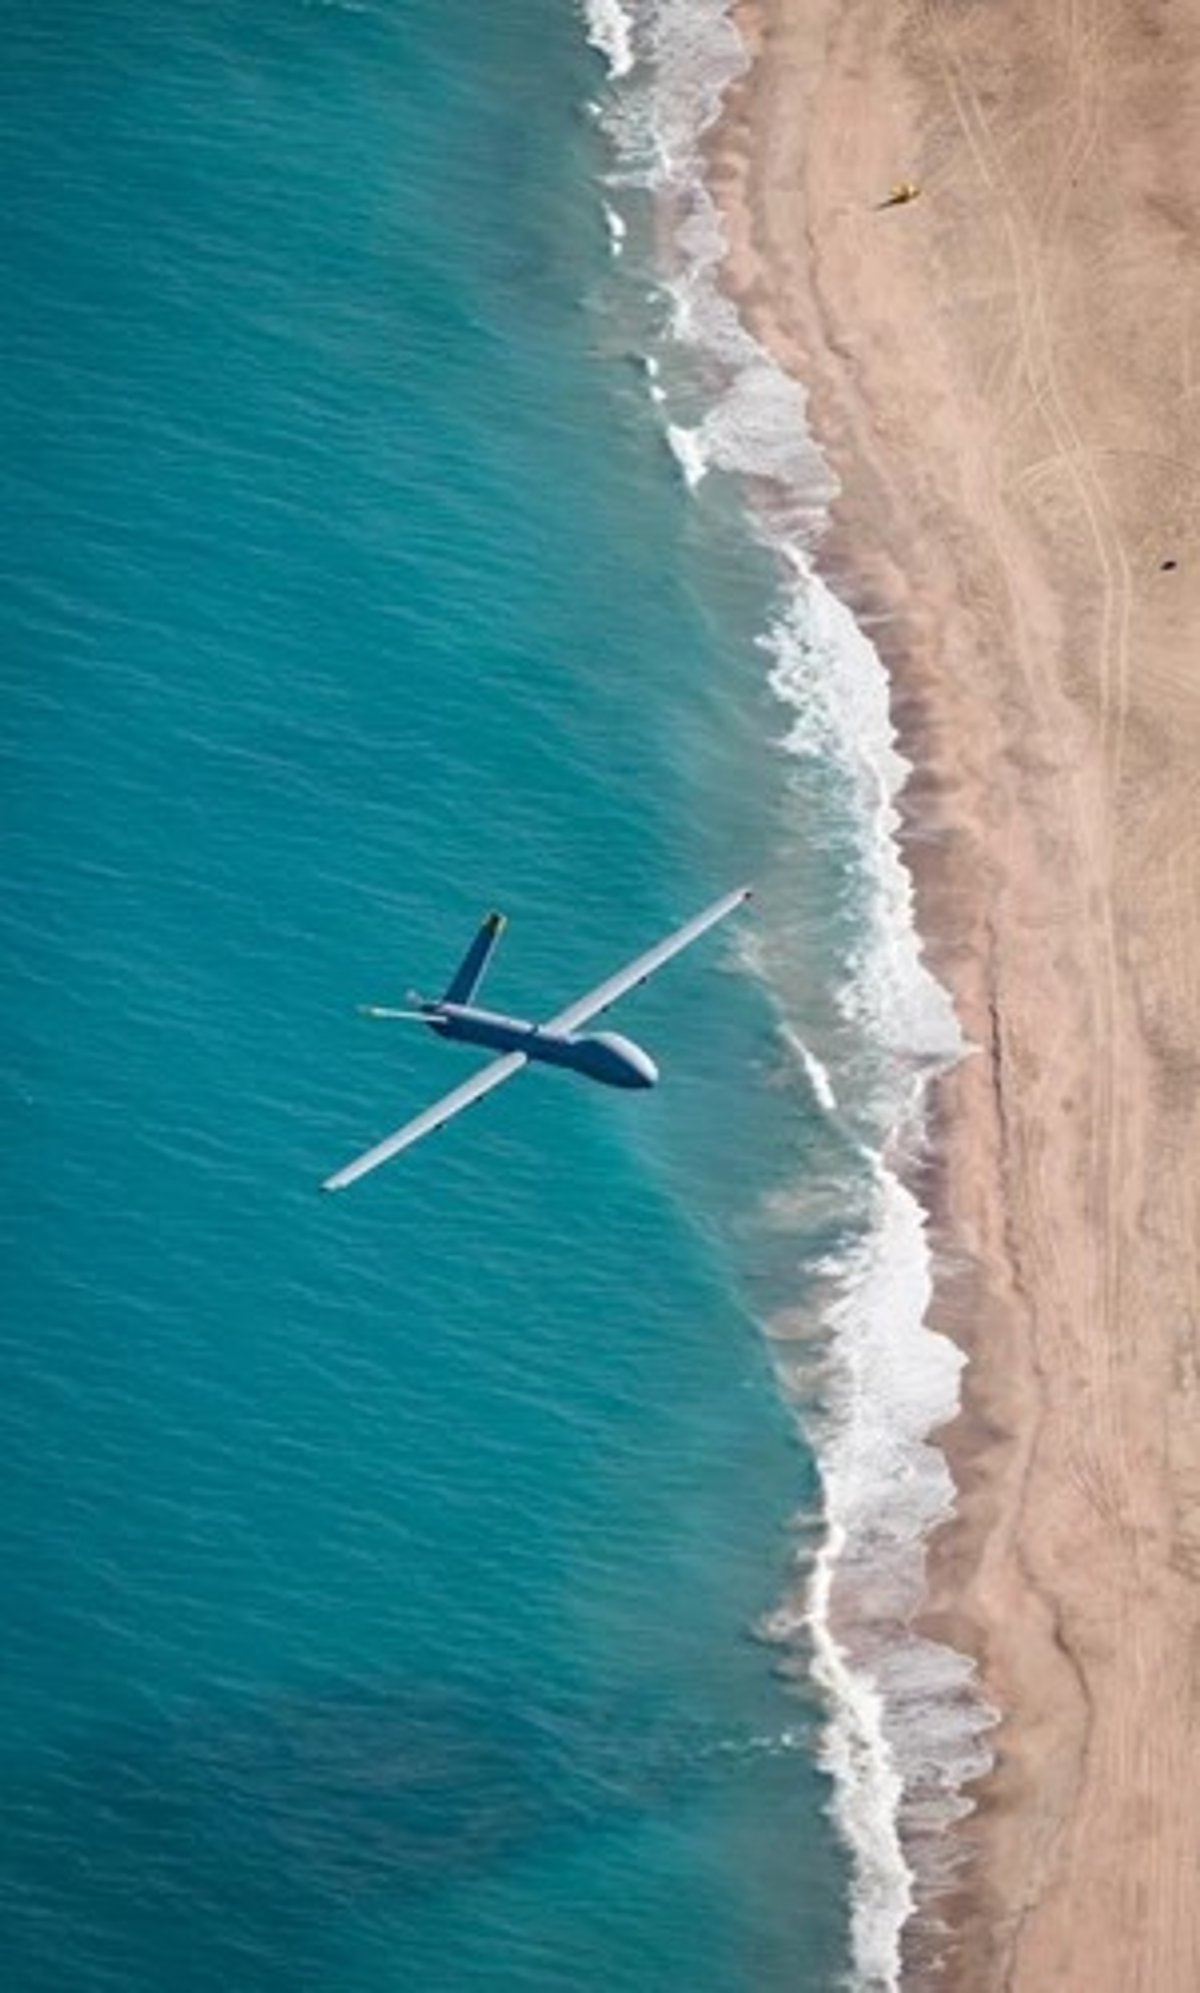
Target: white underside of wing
[
  {"x": 481, "y": 1083},
  {"x": 637, "y": 971}
]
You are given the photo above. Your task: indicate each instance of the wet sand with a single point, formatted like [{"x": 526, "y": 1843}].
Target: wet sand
[{"x": 1005, "y": 373}]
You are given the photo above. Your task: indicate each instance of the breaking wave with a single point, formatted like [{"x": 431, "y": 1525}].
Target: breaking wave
[
  {"x": 610, "y": 29},
  {"x": 905, "y": 1728}
]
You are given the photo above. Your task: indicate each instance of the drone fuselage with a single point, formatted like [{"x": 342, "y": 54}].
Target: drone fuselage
[{"x": 606, "y": 1056}]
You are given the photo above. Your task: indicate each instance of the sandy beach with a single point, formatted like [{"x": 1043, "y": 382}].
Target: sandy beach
[{"x": 1005, "y": 374}]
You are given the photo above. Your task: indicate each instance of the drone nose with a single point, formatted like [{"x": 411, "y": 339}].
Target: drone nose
[{"x": 643, "y": 1065}]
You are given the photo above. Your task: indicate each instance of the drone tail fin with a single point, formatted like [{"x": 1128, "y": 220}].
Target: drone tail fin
[{"x": 471, "y": 970}]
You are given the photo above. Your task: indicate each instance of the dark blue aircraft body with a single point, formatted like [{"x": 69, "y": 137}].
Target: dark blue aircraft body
[{"x": 605, "y": 1056}]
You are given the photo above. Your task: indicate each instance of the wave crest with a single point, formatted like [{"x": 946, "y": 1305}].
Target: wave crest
[{"x": 905, "y": 1727}]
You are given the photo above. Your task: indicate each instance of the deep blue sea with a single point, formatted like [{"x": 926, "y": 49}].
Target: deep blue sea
[{"x": 380, "y": 1572}]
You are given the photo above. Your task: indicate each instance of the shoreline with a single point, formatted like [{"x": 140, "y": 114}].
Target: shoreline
[{"x": 977, "y": 383}]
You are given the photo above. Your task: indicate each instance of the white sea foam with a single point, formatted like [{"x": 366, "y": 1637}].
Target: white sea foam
[
  {"x": 816, "y": 1070},
  {"x": 617, "y": 228},
  {"x": 857, "y": 1757},
  {"x": 905, "y": 1727},
  {"x": 905, "y": 1730},
  {"x": 688, "y": 452},
  {"x": 827, "y": 672},
  {"x": 883, "y": 1487},
  {"x": 610, "y": 29},
  {"x": 657, "y": 392}
]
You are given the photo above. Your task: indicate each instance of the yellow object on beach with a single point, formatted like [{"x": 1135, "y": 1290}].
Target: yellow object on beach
[{"x": 901, "y": 192}]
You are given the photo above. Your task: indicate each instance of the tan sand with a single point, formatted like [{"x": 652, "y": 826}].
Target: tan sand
[{"x": 1006, "y": 374}]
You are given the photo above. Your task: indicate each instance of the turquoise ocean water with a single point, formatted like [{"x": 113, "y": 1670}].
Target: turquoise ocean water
[{"x": 382, "y": 1572}]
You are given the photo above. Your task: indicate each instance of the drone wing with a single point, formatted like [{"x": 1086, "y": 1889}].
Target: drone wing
[
  {"x": 628, "y": 978},
  {"x": 482, "y": 1082}
]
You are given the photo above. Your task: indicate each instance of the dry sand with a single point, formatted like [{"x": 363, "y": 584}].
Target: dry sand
[{"x": 1006, "y": 376}]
